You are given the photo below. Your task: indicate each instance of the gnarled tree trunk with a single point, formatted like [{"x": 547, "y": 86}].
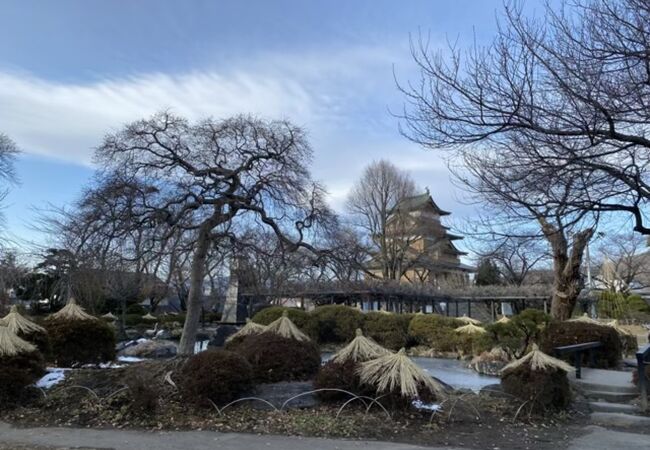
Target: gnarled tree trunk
[{"x": 566, "y": 268}]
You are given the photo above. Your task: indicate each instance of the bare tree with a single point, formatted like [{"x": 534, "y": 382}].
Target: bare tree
[
  {"x": 575, "y": 83},
  {"x": 626, "y": 253},
  {"x": 206, "y": 179},
  {"x": 372, "y": 202}
]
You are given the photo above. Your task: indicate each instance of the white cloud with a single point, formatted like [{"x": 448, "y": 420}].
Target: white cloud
[{"x": 341, "y": 96}]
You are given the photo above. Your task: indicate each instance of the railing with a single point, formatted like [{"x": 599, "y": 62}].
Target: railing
[
  {"x": 643, "y": 361},
  {"x": 578, "y": 350}
]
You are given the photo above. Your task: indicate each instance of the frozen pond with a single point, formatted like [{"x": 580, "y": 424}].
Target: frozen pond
[
  {"x": 450, "y": 371},
  {"x": 455, "y": 373}
]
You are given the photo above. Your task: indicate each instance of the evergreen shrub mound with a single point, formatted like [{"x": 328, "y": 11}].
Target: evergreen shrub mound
[
  {"x": 336, "y": 324},
  {"x": 334, "y": 375},
  {"x": 78, "y": 342},
  {"x": 435, "y": 331},
  {"x": 545, "y": 390},
  {"x": 523, "y": 330},
  {"x": 612, "y": 305},
  {"x": 635, "y": 303},
  {"x": 215, "y": 375},
  {"x": 16, "y": 373},
  {"x": 388, "y": 330},
  {"x": 559, "y": 334},
  {"x": 298, "y": 316},
  {"x": 275, "y": 358}
]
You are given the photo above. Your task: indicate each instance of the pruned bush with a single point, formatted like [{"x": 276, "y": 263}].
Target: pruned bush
[
  {"x": 544, "y": 390},
  {"x": 275, "y": 358},
  {"x": 434, "y": 330},
  {"x": 336, "y": 324},
  {"x": 78, "y": 342},
  {"x": 298, "y": 316},
  {"x": 334, "y": 375},
  {"x": 559, "y": 334},
  {"x": 635, "y": 303},
  {"x": 136, "y": 309},
  {"x": 468, "y": 345},
  {"x": 388, "y": 330},
  {"x": 215, "y": 375},
  {"x": 17, "y": 372},
  {"x": 523, "y": 330}
]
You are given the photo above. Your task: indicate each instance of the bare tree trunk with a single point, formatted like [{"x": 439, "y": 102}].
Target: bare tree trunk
[
  {"x": 194, "y": 299},
  {"x": 566, "y": 268}
]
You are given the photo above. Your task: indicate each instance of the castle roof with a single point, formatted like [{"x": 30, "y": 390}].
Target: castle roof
[{"x": 418, "y": 202}]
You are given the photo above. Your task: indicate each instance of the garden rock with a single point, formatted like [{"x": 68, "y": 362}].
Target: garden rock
[{"x": 152, "y": 349}]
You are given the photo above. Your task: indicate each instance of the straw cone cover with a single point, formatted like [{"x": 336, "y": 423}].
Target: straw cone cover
[
  {"x": 360, "y": 349},
  {"x": 585, "y": 318},
  {"x": 12, "y": 345},
  {"x": 617, "y": 326},
  {"x": 18, "y": 323},
  {"x": 465, "y": 319},
  {"x": 470, "y": 328},
  {"x": 72, "y": 311},
  {"x": 109, "y": 316},
  {"x": 396, "y": 372},
  {"x": 503, "y": 319},
  {"x": 538, "y": 361},
  {"x": 249, "y": 329},
  {"x": 149, "y": 316},
  {"x": 286, "y": 328}
]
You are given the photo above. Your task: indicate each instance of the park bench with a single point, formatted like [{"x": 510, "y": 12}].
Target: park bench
[{"x": 578, "y": 350}]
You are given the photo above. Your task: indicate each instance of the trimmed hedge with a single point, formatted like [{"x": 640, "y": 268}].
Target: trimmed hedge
[
  {"x": 520, "y": 332},
  {"x": 78, "y": 342},
  {"x": 275, "y": 358},
  {"x": 336, "y": 324},
  {"x": 435, "y": 331},
  {"x": 299, "y": 317},
  {"x": 388, "y": 330},
  {"x": 544, "y": 389},
  {"x": 16, "y": 373},
  {"x": 216, "y": 375},
  {"x": 558, "y": 334}
]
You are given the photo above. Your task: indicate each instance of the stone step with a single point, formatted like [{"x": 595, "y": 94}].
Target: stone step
[
  {"x": 611, "y": 397},
  {"x": 620, "y": 420},
  {"x": 613, "y": 388},
  {"x": 613, "y": 407}
]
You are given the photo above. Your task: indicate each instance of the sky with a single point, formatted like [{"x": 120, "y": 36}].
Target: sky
[{"x": 71, "y": 71}]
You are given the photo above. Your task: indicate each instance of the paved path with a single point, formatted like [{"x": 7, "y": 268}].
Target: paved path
[
  {"x": 178, "y": 440},
  {"x": 596, "y": 438}
]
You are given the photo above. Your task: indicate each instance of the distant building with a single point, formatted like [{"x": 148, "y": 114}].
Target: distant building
[{"x": 420, "y": 248}]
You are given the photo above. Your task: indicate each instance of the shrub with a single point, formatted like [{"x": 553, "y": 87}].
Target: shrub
[
  {"x": 216, "y": 375},
  {"x": 336, "y": 324},
  {"x": 635, "y": 303},
  {"x": 17, "y": 372},
  {"x": 543, "y": 389},
  {"x": 612, "y": 305},
  {"x": 435, "y": 331},
  {"x": 520, "y": 332},
  {"x": 77, "y": 342},
  {"x": 343, "y": 376},
  {"x": 275, "y": 358},
  {"x": 473, "y": 344},
  {"x": 388, "y": 330},
  {"x": 558, "y": 334},
  {"x": 298, "y": 316}
]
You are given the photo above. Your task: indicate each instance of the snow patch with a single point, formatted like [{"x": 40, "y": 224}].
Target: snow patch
[
  {"x": 129, "y": 359},
  {"x": 419, "y": 404},
  {"x": 53, "y": 377}
]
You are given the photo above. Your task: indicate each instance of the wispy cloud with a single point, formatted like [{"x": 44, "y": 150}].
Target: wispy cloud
[{"x": 341, "y": 96}]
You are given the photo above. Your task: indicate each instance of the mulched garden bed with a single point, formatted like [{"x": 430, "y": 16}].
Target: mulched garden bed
[{"x": 113, "y": 404}]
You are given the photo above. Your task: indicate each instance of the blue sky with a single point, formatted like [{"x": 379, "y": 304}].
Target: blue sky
[{"x": 72, "y": 70}]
